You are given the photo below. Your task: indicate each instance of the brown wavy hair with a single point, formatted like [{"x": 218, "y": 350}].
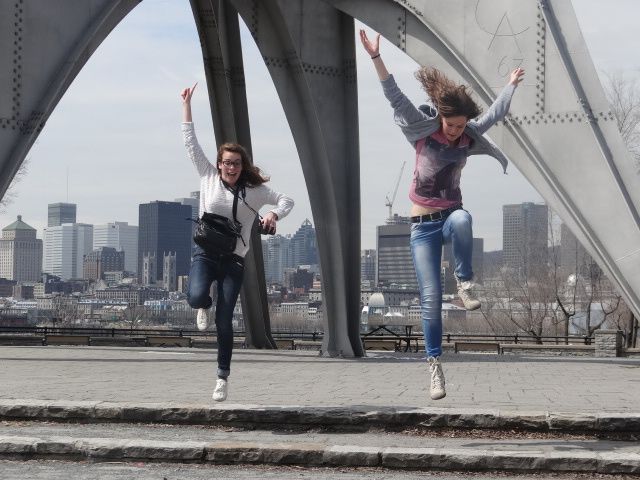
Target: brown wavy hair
[
  {"x": 251, "y": 175},
  {"x": 449, "y": 98}
]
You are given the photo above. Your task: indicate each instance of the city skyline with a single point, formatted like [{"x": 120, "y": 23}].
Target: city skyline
[{"x": 132, "y": 146}]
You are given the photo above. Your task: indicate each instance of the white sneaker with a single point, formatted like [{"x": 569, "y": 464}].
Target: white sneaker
[
  {"x": 465, "y": 293},
  {"x": 202, "y": 319},
  {"x": 220, "y": 392},
  {"x": 437, "y": 379}
]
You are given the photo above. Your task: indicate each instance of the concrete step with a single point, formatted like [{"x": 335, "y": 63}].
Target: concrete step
[
  {"x": 355, "y": 418},
  {"x": 207, "y": 445}
]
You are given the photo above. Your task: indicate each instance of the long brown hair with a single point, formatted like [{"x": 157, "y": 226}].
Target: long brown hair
[
  {"x": 449, "y": 98},
  {"x": 251, "y": 175}
]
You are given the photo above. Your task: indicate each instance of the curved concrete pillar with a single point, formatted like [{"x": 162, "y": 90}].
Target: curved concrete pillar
[
  {"x": 43, "y": 46},
  {"x": 219, "y": 32},
  {"x": 308, "y": 48},
  {"x": 560, "y": 133}
]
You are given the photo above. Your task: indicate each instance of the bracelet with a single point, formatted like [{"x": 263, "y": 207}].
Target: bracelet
[{"x": 375, "y": 56}]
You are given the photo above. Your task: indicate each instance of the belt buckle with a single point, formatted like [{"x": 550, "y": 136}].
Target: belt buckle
[{"x": 437, "y": 218}]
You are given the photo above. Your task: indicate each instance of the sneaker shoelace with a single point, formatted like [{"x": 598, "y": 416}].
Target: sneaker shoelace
[{"x": 436, "y": 376}]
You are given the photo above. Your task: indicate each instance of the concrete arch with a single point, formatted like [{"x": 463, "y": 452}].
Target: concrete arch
[{"x": 560, "y": 133}]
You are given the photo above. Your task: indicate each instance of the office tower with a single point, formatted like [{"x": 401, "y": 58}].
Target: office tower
[
  {"x": 169, "y": 277},
  {"x": 101, "y": 260},
  {"x": 194, "y": 202},
  {"x": 573, "y": 256},
  {"x": 368, "y": 266},
  {"x": 395, "y": 263},
  {"x": 121, "y": 236},
  {"x": 164, "y": 227},
  {"x": 525, "y": 236},
  {"x": 65, "y": 247},
  {"x": 60, "y": 213},
  {"x": 276, "y": 252},
  {"x": 449, "y": 284},
  {"x": 303, "y": 245},
  {"x": 20, "y": 253}
]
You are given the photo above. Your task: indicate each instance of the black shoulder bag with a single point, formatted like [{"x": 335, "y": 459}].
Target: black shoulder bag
[{"x": 217, "y": 234}]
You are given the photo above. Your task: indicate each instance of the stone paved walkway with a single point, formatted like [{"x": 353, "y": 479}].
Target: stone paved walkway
[{"x": 559, "y": 384}]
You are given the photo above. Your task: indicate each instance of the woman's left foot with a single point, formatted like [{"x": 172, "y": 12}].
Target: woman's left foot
[
  {"x": 465, "y": 293},
  {"x": 202, "y": 319},
  {"x": 220, "y": 392}
]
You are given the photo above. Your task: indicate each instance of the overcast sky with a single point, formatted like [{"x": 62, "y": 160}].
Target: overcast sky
[{"x": 115, "y": 134}]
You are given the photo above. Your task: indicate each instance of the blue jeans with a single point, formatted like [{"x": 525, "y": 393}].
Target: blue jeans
[
  {"x": 427, "y": 239},
  {"x": 227, "y": 272}
]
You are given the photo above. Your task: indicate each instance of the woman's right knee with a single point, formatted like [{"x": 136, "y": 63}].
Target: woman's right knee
[{"x": 199, "y": 299}]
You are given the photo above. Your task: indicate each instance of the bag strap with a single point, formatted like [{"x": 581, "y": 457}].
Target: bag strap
[{"x": 235, "y": 203}]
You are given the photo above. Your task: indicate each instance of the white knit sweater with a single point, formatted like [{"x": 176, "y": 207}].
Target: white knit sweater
[{"x": 216, "y": 198}]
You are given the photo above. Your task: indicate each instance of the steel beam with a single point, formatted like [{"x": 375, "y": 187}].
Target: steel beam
[
  {"x": 308, "y": 47},
  {"x": 560, "y": 134}
]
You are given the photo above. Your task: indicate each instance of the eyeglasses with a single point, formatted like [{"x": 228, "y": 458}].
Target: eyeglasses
[{"x": 229, "y": 163}]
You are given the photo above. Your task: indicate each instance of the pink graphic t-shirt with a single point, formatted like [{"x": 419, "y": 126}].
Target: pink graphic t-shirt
[{"x": 436, "y": 177}]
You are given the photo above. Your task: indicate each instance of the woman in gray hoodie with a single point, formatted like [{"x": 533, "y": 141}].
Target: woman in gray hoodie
[{"x": 444, "y": 133}]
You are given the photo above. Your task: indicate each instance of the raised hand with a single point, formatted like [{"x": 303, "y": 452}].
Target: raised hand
[
  {"x": 372, "y": 47},
  {"x": 516, "y": 76},
  {"x": 187, "y": 93}
]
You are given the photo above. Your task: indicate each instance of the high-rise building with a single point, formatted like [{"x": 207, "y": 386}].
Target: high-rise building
[
  {"x": 164, "y": 227},
  {"x": 303, "y": 247},
  {"x": 525, "y": 234},
  {"x": 65, "y": 247},
  {"x": 194, "y": 202},
  {"x": 276, "y": 253},
  {"x": 101, "y": 260},
  {"x": 122, "y": 237},
  {"x": 60, "y": 213},
  {"x": 394, "y": 262},
  {"x": 20, "y": 253},
  {"x": 368, "y": 266},
  {"x": 573, "y": 256}
]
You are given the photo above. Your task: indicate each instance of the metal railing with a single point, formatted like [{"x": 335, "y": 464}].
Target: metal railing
[{"x": 516, "y": 338}]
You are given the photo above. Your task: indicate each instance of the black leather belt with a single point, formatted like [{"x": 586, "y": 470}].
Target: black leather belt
[{"x": 435, "y": 216}]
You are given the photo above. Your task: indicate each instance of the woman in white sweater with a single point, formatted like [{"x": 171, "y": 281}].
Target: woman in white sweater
[{"x": 232, "y": 175}]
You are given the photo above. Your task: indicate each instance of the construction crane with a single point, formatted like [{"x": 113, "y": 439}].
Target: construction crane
[{"x": 389, "y": 203}]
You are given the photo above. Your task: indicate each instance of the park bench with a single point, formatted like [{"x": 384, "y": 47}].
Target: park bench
[
  {"x": 167, "y": 341},
  {"x": 477, "y": 346},
  {"x": 285, "y": 343},
  {"x": 389, "y": 345},
  {"x": 118, "y": 341},
  {"x": 67, "y": 340},
  {"x": 308, "y": 345},
  {"x": 21, "y": 340}
]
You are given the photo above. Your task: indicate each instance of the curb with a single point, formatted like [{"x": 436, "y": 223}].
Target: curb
[
  {"x": 358, "y": 418},
  {"x": 314, "y": 454}
]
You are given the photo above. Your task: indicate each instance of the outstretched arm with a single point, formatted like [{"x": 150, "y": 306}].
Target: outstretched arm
[
  {"x": 373, "y": 49},
  {"x": 194, "y": 150},
  {"x": 500, "y": 107},
  {"x": 186, "y": 95}
]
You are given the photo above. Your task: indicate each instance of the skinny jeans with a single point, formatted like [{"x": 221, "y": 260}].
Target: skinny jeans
[
  {"x": 427, "y": 239},
  {"x": 227, "y": 272}
]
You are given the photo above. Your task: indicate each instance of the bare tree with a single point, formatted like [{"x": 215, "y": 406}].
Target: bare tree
[
  {"x": 623, "y": 94},
  {"x": 10, "y": 195},
  {"x": 133, "y": 315}
]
